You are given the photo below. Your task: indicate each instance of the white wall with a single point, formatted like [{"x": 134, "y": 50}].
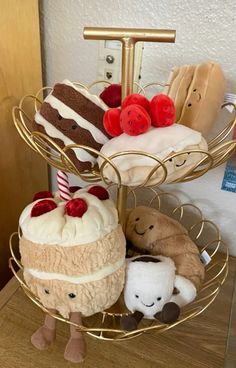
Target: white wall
[{"x": 205, "y": 30}]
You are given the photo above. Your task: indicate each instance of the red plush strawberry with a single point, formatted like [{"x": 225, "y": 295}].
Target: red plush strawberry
[
  {"x": 162, "y": 111},
  {"x": 43, "y": 194},
  {"x": 135, "y": 99},
  {"x": 112, "y": 95},
  {"x": 76, "y": 207},
  {"x": 99, "y": 192},
  {"x": 74, "y": 188},
  {"x": 134, "y": 120},
  {"x": 111, "y": 122},
  {"x": 41, "y": 207}
]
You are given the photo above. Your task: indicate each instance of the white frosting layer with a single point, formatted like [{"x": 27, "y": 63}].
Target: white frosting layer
[
  {"x": 157, "y": 141},
  {"x": 81, "y": 154},
  {"x": 55, "y": 227},
  {"x": 98, "y": 275},
  {"x": 67, "y": 113}
]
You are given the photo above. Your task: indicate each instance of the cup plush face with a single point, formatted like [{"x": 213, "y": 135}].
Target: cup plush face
[{"x": 149, "y": 286}]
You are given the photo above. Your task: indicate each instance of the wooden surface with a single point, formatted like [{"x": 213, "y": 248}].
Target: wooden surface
[
  {"x": 22, "y": 172},
  {"x": 200, "y": 342}
]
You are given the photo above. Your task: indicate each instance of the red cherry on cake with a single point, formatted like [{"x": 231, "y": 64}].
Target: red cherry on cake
[
  {"x": 99, "y": 192},
  {"x": 135, "y": 99},
  {"x": 41, "y": 207},
  {"x": 134, "y": 120},
  {"x": 74, "y": 188},
  {"x": 111, "y": 122},
  {"x": 112, "y": 95},
  {"x": 162, "y": 111},
  {"x": 43, "y": 194},
  {"x": 76, "y": 207}
]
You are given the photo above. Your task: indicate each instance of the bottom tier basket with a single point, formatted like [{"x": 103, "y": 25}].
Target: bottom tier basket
[{"x": 106, "y": 325}]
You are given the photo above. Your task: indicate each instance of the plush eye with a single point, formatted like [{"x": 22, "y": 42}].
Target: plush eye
[
  {"x": 74, "y": 127},
  {"x": 136, "y": 296},
  {"x": 72, "y": 295},
  {"x": 194, "y": 90},
  {"x": 137, "y": 219},
  {"x": 189, "y": 105},
  {"x": 46, "y": 291},
  {"x": 151, "y": 227},
  {"x": 171, "y": 159},
  {"x": 59, "y": 117},
  {"x": 159, "y": 298}
]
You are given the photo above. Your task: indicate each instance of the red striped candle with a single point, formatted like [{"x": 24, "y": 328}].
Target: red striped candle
[{"x": 63, "y": 185}]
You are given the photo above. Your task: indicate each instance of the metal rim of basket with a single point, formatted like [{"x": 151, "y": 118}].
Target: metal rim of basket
[{"x": 207, "y": 293}]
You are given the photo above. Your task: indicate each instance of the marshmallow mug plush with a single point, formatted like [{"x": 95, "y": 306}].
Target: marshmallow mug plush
[
  {"x": 154, "y": 291},
  {"x": 73, "y": 254}
]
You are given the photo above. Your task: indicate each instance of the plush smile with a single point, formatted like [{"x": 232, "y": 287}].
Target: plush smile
[
  {"x": 181, "y": 164},
  {"x": 138, "y": 232},
  {"x": 148, "y": 305}
]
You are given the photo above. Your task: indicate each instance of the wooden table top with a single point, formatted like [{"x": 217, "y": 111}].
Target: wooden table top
[{"x": 201, "y": 342}]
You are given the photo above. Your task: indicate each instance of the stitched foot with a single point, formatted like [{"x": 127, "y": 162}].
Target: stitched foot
[
  {"x": 43, "y": 338},
  {"x": 75, "y": 350}
]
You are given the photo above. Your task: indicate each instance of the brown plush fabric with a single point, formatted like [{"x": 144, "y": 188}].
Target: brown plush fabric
[
  {"x": 77, "y": 260},
  {"x": 198, "y": 93},
  {"x": 159, "y": 234}
]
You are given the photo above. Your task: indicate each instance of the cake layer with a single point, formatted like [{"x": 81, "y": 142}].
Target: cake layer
[
  {"x": 88, "y": 298},
  {"x": 75, "y": 261}
]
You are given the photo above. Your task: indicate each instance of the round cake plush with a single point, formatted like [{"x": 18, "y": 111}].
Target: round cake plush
[
  {"x": 159, "y": 142},
  {"x": 73, "y": 255}
]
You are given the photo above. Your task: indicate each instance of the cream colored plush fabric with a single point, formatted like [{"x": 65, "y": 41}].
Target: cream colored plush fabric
[{"x": 160, "y": 142}]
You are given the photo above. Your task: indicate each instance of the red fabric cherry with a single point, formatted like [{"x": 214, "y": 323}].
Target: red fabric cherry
[
  {"x": 134, "y": 120},
  {"x": 99, "y": 192},
  {"x": 112, "y": 95},
  {"x": 135, "y": 99},
  {"x": 111, "y": 122},
  {"x": 43, "y": 194},
  {"x": 74, "y": 188},
  {"x": 162, "y": 111},
  {"x": 76, "y": 207},
  {"x": 41, "y": 207}
]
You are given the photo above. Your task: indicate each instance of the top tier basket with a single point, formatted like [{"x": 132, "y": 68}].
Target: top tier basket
[{"x": 104, "y": 325}]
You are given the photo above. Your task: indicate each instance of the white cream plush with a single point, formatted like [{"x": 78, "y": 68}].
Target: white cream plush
[{"x": 150, "y": 285}]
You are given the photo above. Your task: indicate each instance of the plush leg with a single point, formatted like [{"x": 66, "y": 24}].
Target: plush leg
[
  {"x": 46, "y": 334},
  {"x": 169, "y": 314},
  {"x": 130, "y": 322},
  {"x": 75, "y": 350}
]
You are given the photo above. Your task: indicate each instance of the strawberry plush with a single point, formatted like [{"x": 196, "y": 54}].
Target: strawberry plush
[
  {"x": 134, "y": 120},
  {"x": 136, "y": 99},
  {"x": 111, "y": 122},
  {"x": 112, "y": 95},
  {"x": 162, "y": 111}
]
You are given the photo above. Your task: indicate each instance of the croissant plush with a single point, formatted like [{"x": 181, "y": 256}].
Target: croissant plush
[{"x": 151, "y": 231}]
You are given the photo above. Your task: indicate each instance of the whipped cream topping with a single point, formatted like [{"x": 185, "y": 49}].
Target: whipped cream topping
[
  {"x": 157, "y": 141},
  {"x": 56, "y": 227}
]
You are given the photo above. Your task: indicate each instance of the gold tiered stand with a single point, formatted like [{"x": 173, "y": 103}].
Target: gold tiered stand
[{"x": 204, "y": 233}]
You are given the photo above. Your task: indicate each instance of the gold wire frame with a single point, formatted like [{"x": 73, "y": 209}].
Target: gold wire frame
[
  {"x": 106, "y": 325},
  {"x": 220, "y": 148}
]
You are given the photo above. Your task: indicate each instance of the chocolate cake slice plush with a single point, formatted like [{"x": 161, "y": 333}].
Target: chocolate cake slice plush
[{"x": 72, "y": 115}]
